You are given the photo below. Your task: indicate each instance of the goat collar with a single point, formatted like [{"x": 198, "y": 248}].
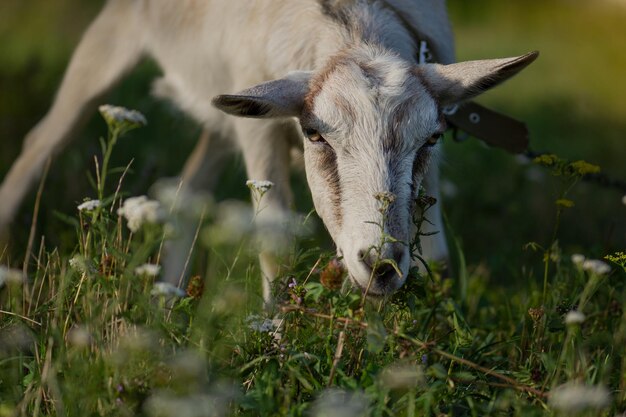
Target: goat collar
[{"x": 493, "y": 128}]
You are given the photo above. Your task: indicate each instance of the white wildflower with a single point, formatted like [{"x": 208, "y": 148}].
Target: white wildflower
[
  {"x": 575, "y": 397},
  {"x": 596, "y": 266},
  {"x": 116, "y": 115},
  {"x": 10, "y": 276},
  {"x": 340, "y": 403},
  {"x": 261, "y": 325},
  {"x": 624, "y": 200},
  {"x": 166, "y": 289},
  {"x": 140, "y": 210},
  {"x": 149, "y": 270},
  {"x": 89, "y": 205},
  {"x": 574, "y": 317},
  {"x": 260, "y": 186},
  {"x": 578, "y": 259}
]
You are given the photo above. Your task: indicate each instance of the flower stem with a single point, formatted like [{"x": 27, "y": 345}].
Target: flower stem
[{"x": 107, "y": 151}]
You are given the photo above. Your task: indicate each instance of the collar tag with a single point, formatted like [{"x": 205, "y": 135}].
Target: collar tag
[
  {"x": 493, "y": 128},
  {"x": 424, "y": 56}
]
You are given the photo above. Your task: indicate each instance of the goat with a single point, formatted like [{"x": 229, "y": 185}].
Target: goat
[{"x": 337, "y": 79}]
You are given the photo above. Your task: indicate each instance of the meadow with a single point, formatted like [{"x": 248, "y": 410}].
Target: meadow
[{"x": 529, "y": 321}]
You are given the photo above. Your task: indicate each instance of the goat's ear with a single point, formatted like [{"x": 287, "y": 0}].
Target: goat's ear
[
  {"x": 454, "y": 83},
  {"x": 279, "y": 98}
]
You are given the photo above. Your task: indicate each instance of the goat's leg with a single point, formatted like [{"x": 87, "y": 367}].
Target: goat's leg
[
  {"x": 110, "y": 47},
  {"x": 266, "y": 151},
  {"x": 200, "y": 174}
]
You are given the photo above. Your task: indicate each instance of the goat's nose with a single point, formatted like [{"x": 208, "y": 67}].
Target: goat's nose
[{"x": 375, "y": 262}]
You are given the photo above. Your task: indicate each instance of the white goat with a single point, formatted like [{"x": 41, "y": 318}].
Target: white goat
[{"x": 355, "y": 99}]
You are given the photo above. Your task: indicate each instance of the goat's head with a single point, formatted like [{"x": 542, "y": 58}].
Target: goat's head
[{"x": 370, "y": 124}]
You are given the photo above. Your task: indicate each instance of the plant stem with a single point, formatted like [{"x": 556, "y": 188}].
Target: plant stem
[{"x": 107, "y": 151}]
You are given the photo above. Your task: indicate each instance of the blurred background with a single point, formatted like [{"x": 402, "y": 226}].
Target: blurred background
[{"x": 572, "y": 98}]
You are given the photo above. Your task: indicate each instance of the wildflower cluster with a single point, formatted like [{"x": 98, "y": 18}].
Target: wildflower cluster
[
  {"x": 261, "y": 325},
  {"x": 574, "y": 317},
  {"x": 259, "y": 186},
  {"x": 89, "y": 205},
  {"x": 120, "y": 119},
  {"x": 618, "y": 258},
  {"x": 593, "y": 266},
  {"x": 149, "y": 270},
  {"x": 386, "y": 199},
  {"x": 296, "y": 292},
  {"x": 81, "y": 264},
  {"x": 562, "y": 167},
  {"x": 140, "y": 210},
  {"x": 166, "y": 289}
]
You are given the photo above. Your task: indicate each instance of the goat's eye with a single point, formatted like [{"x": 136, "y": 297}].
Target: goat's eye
[
  {"x": 314, "y": 136},
  {"x": 432, "y": 141}
]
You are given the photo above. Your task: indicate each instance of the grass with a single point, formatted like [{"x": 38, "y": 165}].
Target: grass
[
  {"x": 85, "y": 334},
  {"x": 89, "y": 332}
]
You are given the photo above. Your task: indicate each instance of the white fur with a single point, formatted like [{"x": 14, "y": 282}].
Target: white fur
[{"x": 210, "y": 47}]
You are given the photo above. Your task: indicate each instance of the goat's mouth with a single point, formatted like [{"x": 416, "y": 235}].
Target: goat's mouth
[{"x": 374, "y": 290}]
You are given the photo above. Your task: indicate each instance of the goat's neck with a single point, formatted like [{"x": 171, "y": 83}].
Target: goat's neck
[
  {"x": 322, "y": 32},
  {"x": 365, "y": 24}
]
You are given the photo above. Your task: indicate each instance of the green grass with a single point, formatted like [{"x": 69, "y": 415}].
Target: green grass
[
  {"x": 87, "y": 332},
  {"x": 87, "y": 337}
]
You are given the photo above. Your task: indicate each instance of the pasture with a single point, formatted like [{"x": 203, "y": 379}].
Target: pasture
[{"x": 521, "y": 325}]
